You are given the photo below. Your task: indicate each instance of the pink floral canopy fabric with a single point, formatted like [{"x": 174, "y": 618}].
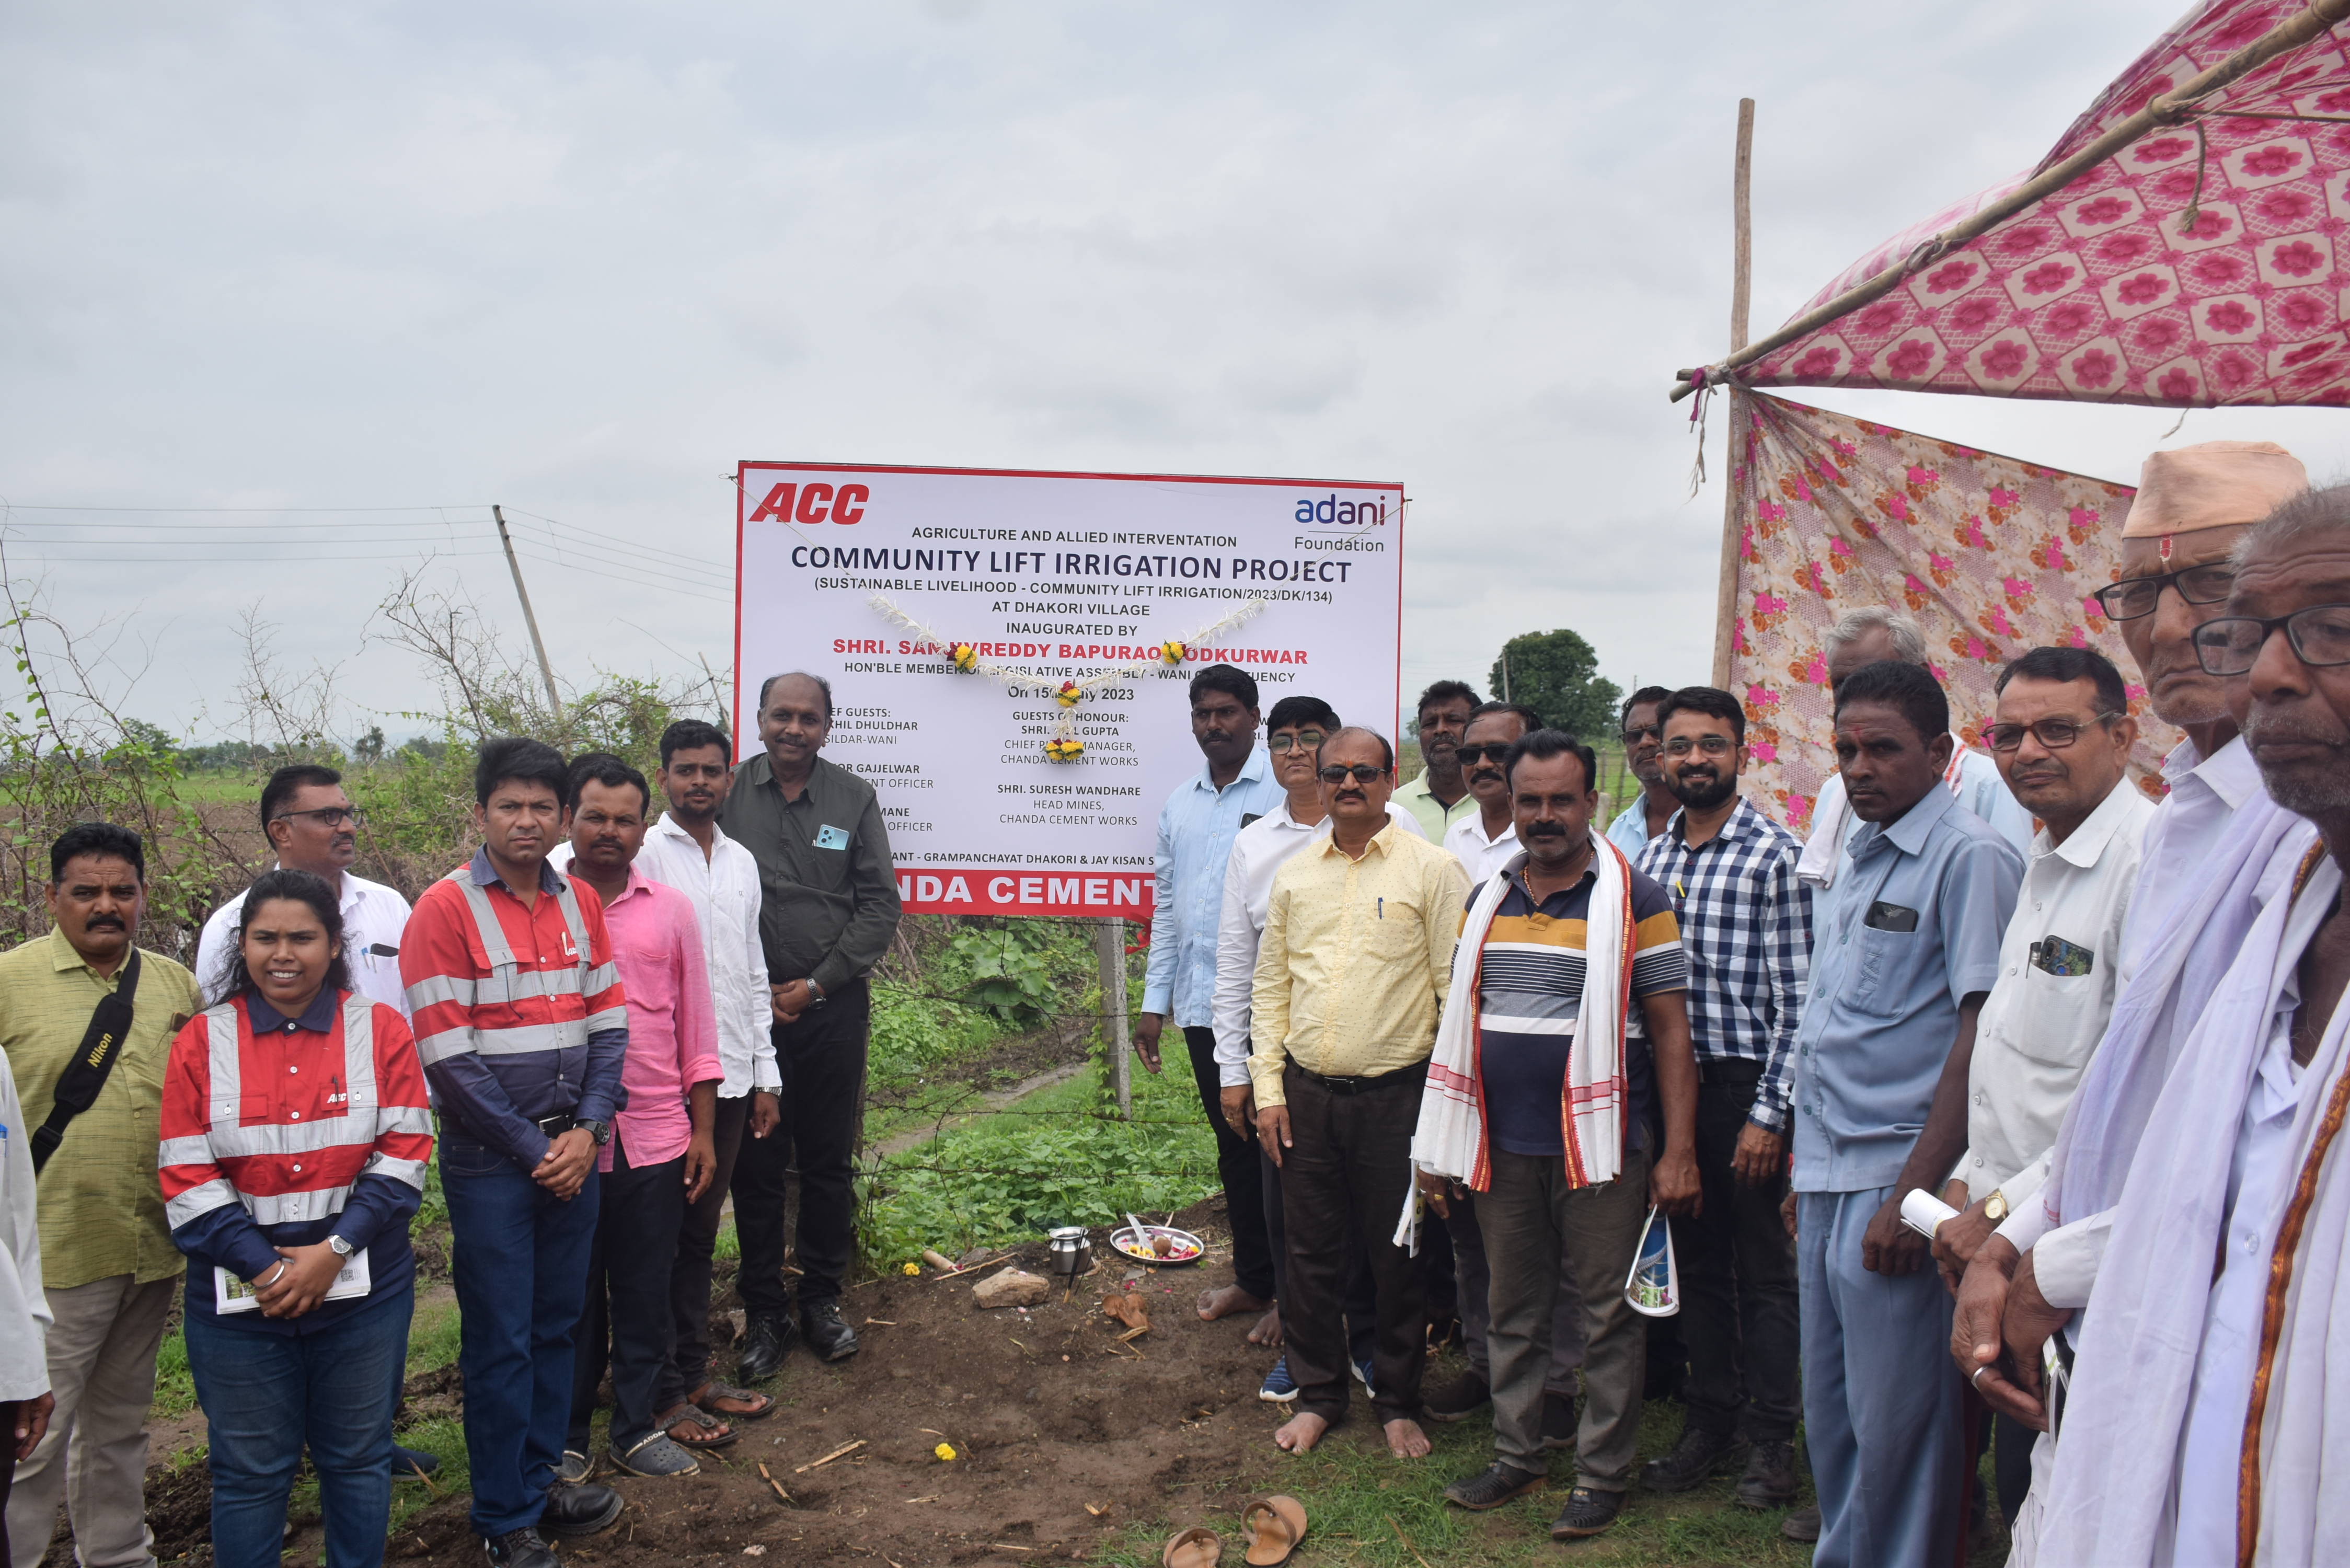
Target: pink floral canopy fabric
[
  {"x": 2203, "y": 264},
  {"x": 1992, "y": 555}
]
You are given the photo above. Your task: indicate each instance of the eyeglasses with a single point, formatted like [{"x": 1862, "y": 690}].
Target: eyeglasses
[
  {"x": 1304, "y": 740},
  {"x": 2053, "y": 733},
  {"x": 1639, "y": 733},
  {"x": 329, "y": 816},
  {"x": 1361, "y": 773},
  {"x": 2232, "y": 645},
  {"x": 1470, "y": 755},
  {"x": 2136, "y": 596},
  {"x": 1712, "y": 745}
]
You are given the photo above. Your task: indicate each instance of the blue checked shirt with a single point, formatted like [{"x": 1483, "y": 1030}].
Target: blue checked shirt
[
  {"x": 1196, "y": 829},
  {"x": 1746, "y": 924}
]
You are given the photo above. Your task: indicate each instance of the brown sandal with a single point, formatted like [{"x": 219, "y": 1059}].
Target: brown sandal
[
  {"x": 1274, "y": 1525},
  {"x": 706, "y": 1397},
  {"x": 688, "y": 1425},
  {"x": 1198, "y": 1547}
]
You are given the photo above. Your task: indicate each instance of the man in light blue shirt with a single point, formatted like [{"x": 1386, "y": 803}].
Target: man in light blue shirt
[
  {"x": 1644, "y": 757},
  {"x": 1196, "y": 829},
  {"x": 1905, "y": 948}
]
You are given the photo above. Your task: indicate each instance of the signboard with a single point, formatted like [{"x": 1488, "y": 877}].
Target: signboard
[{"x": 968, "y": 618}]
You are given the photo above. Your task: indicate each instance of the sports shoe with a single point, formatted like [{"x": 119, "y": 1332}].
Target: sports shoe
[
  {"x": 655, "y": 1455},
  {"x": 1770, "y": 1478},
  {"x": 1363, "y": 1376},
  {"x": 1280, "y": 1387},
  {"x": 1459, "y": 1399},
  {"x": 519, "y": 1549},
  {"x": 1491, "y": 1487},
  {"x": 1588, "y": 1512},
  {"x": 581, "y": 1509},
  {"x": 1804, "y": 1524},
  {"x": 576, "y": 1468},
  {"x": 1696, "y": 1455}
]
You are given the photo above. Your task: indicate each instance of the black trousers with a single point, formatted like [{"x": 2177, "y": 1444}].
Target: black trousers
[
  {"x": 1236, "y": 1163},
  {"x": 1362, "y": 1301},
  {"x": 1343, "y": 1183},
  {"x": 1738, "y": 1311},
  {"x": 689, "y": 1274},
  {"x": 2010, "y": 1463},
  {"x": 822, "y": 1060},
  {"x": 624, "y": 1323}
]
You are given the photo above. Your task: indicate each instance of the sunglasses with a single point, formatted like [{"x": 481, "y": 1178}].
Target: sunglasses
[
  {"x": 1634, "y": 736},
  {"x": 328, "y": 816},
  {"x": 1361, "y": 773},
  {"x": 1471, "y": 756}
]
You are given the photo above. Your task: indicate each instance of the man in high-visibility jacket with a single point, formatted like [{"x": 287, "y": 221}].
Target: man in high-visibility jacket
[{"x": 521, "y": 1023}]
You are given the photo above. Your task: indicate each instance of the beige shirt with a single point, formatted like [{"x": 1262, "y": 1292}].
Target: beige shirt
[{"x": 1356, "y": 959}]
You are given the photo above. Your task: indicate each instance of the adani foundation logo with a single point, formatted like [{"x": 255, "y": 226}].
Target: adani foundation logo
[
  {"x": 813, "y": 503},
  {"x": 1331, "y": 513}
]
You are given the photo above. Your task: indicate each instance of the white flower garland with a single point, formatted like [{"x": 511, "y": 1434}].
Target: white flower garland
[{"x": 1064, "y": 746}]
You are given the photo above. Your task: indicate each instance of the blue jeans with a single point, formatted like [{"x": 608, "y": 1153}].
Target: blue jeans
[
  {"x": 521, "y": 1267},
  {"x": 265, "y": 1395}
]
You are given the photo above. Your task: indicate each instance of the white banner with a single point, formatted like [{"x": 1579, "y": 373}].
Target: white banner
[{"x": 1061, "y": 592}]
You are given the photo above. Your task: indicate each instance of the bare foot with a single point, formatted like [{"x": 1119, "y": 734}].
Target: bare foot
[
  {"x": 1301, "y": 1431},
  {"x": 1405, "y": 1439},
  {"x": 1226, "y": 1299},
  {"x": 1267, "y": 1330}
]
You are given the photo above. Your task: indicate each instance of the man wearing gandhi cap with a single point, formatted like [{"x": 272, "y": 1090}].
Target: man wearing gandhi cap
[{"x": 2188, "y": 916}]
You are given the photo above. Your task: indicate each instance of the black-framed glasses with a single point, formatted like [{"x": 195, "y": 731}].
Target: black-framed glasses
[
  {"x": 329, "y": 816},
  {"x": 1712, "y": 745},
  {"x": 2136, "y": 597},
  {"x": 1639, "y": 733},
  {"x": 2232, "y": 645},
  {"x": 1304, "y": 740},
  {"x": 1361, "y": 773},
  {"x": 1471, "y": 756},
  {"x": 2053, "y": 733}
]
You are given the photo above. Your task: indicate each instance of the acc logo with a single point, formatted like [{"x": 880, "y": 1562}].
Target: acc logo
[
  {"x": 1345, "y": 513},
  {"x": 814, "y": 501}
]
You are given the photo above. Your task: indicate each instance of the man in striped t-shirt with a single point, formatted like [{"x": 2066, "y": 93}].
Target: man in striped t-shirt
[{"x": 520, "y": 1024}]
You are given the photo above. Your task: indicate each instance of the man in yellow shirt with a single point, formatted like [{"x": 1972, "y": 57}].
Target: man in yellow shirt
[
  {"x": 1356, "y": 957},
  {"x": 107, "y": 1263}
]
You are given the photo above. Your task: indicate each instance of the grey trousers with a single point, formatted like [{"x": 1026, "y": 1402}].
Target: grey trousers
[
  {"x": 1476, "y": 1313},
  {"x": 1530, "y": 1217},
  {"x": 102, "y": 1371}
]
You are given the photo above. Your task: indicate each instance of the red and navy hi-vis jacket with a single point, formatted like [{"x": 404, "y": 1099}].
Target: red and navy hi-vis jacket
[{"x": 280, "y": 1132}]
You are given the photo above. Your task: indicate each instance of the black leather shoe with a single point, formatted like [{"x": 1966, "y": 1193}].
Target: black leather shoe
[
  {"x": 829, "y": 1335},
  {"x": 1459, "y": 1399},
  {"x": 1558, "y": 1421},
  {"x": 1588, "y": 1512},
  {"x": 1770, "y": 1478},
  {"x": 520, "y": 1548},
  {"x": 581, "y": 1509},
  {"x": 1496, "y": 1484},
  {"x": 765, "y": 1338},
  {"x": 1804, "y": 1524},
  {"x": 1694, "y": 1458}
]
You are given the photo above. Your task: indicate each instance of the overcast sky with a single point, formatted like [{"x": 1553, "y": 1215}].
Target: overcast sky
[{"x": 579, "y": 259}]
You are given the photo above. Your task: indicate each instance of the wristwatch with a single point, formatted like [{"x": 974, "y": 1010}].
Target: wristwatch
[
  {"x": 815, "y": 994},
  {"x": 1995, "y": 1206},
  {"x": 343, "y": 1249},
  {"x": 600, "y": 1131}
]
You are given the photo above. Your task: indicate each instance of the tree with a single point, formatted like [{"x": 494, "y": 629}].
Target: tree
[
  {"x": 1556, "y": 674},
  {"x": 369, "y": 748}
]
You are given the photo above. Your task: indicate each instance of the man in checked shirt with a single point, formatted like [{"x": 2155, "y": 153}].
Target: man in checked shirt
[{"x": 1746, "y": 923}]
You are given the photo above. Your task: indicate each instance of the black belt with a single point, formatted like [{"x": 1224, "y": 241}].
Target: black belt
[
  {"x": 1415, "y": 1073},
  {"x": 555, "y": 1127},
  {"x": 1735, "y": 1069}
]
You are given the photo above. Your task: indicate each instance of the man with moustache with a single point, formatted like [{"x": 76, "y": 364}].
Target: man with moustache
[
  {"x": 2204, "y": 1419},
  {"x": 1196, "y": 829},
  {"x": 1356, "y": 958},
  {"x": 1484, "y": 840},
  {"x": 1905, "y": 948},
  {"x": 108, "y": 1265},
  {"x": 2062, "y": 734},
  {"x": 2201, "y": 885},
  {"x": 1440, "y": 796},
  {"x": 1746, "y": 924},
  {"x": 1644, "y": 818}
]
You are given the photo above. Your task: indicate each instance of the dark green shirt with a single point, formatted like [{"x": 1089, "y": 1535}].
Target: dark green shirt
[{"x": 829, "y": 894}]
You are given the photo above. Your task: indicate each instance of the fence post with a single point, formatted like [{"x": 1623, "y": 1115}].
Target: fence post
[{"x": 1109, "y": 946}]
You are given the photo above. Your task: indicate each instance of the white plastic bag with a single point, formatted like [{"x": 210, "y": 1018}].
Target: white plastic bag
[{"x": 1653, "y": 1288}]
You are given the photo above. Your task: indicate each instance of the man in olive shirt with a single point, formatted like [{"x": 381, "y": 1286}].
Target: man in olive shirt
[
  {"x": 828, "y": 910},
  {"x": 107, "y": 1263}
]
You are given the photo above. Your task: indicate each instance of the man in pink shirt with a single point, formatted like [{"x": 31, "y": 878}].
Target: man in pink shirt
[{"x": 660, "y": 1154}]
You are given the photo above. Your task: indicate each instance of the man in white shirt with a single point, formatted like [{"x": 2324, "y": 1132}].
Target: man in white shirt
[
  {"x": 2061, "y": 735},
  {"x": 1484, "y": 840},
  {"x": 313, "y": 826}
]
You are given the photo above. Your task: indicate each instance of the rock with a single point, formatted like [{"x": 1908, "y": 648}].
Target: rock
[{"x": 1013, "y": 1288}]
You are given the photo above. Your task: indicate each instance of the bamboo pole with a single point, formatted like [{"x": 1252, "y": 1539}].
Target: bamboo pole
[
  {"x": 2168, "y": 110},
  {"x": 1109, "y": 948},
  {"x": 1742, "y": 267}
]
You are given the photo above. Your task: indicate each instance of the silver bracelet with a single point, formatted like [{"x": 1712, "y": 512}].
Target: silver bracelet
[{"x": 275, "y": 1277}]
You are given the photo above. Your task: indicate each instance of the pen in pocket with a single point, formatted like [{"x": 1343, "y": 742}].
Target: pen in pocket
[{"x": 1383, "y": 909}]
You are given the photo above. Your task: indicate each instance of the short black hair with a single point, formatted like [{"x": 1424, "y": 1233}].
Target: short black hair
[
  {"x": 1446, "y": 691},
  {"x": 303, "y": 886},
  {"x": 1544, "y": 744},
  {"x": 691, "y": 735},
  {"x": 821, "y": 684},
  {"x": 1228, "y": 679},
  {"x": 521, "y": 759},
  {"x": 1527, "y": 716},
  {"x": 1907, "y": 689},
  {"x": 1645, "y": 695},
  {"x": 1300, "y": 712},
  {"x": 286, "y": 781},
  {"x": 1385, "y": 750},
  {"x": 2069, "y": 664},
  {"x": 96, "y": 838},
  {"x": 603, "y": 768},
  {"x": 1711, "y": 700}
]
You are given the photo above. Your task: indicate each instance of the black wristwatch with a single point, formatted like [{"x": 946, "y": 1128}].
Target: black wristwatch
[
  {"x": 600, "y": 1131},
  {"x": 815, "y": 994}
]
